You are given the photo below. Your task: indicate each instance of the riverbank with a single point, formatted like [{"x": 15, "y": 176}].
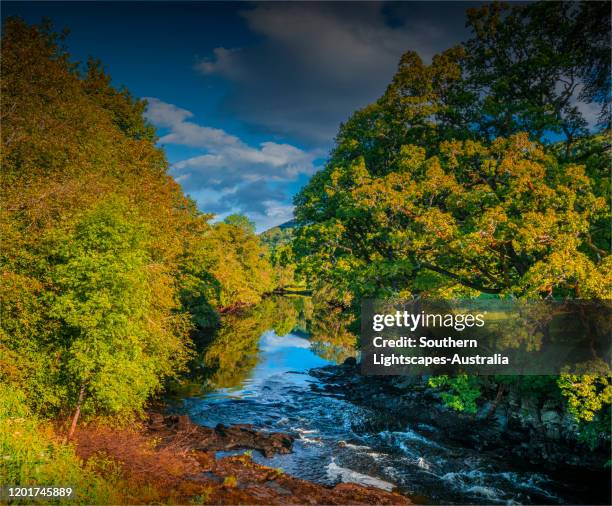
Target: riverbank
[
  {"x": 391, "y": 433},
  {"x": 170, "y": 459},
  {"x": 536, "y": 433}
]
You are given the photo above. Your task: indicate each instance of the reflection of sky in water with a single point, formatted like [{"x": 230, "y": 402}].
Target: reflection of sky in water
[
  {"x": 340, "y": 441},
  {"x": 271, "y": 342},
  {"x": 278, "y": 355}
]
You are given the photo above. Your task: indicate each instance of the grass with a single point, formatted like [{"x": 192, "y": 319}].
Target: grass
[
  {"x": 102, "y": 464},
  {"x": 32, "y": 455}
]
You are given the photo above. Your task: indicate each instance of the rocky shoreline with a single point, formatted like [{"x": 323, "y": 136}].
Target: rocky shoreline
[
  {"x": 539, "y": 433},
  {"x": 183, "y": 461},
  {"x": 176, "y": 461},
  {"x": 219, "y": 438},
  {"x": 239, "y": 480}
]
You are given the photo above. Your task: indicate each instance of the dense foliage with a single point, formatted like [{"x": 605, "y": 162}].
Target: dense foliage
[
  {"x": 278, "y": 241},
  {"x": 477, "y": 174},
  {"x": 107, "y": 267}
]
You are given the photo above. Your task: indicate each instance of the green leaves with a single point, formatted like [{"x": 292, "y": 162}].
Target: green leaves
[
  {"x": 586, "y": 394},
  {"x": 107, "y": 267},
  {"x": 240, "y": 221},
  {"x": 101, "y": 297},
  {"x": 236, "y": 258},
  {"x": 459, "y": 392},
  {"x": 529, "y": 65},
  {"x": 495, "y": 219},
  {"x": 473, "y": 175}
]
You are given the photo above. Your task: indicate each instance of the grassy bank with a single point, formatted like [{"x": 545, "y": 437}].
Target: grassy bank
[{"x": 138, "y": 465}]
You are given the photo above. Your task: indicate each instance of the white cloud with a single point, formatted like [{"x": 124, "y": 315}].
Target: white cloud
[
  {"x": 222, "y": 62},
  {"x": 274, "y": 215},
  {"x": 165, "y": 115},
  {"x": 230, "y": 175},
  {"x": 272, "y": 342}
]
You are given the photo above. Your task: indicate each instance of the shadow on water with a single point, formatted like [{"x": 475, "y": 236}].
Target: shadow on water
[{"x": 255, "y": 370}]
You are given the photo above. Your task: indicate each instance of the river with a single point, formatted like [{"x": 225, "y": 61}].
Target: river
[{"x": 257, "y": 373}]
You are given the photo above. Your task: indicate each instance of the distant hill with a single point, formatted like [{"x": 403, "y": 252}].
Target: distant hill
[
  {"x": 287, "y": 224},
  {"x": 279, "y": 235}
]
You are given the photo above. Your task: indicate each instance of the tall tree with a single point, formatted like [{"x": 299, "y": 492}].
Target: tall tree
[{"x": 474, "y": 136}]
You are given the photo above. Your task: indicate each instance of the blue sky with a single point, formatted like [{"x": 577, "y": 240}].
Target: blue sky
[{"x": 247, "y": 97}]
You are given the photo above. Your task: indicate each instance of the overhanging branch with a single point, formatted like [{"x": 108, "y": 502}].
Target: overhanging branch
[{"x": 459, "y": 279}]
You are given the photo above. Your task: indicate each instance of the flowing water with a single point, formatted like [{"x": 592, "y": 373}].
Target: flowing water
[{"x": 335, "y": 440}]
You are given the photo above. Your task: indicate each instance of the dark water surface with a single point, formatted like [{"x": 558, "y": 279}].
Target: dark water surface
[{"x": 334, "y": 443}]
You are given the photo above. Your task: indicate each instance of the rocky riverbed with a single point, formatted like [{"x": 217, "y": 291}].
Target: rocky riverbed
[
  {"x": 219, "y": 438},
  {"x": 393, "y": 434},
  {"x": 237, "y": 479},
  {"x": 169, "y": 459},
  {"x": 538, "y": 432}
]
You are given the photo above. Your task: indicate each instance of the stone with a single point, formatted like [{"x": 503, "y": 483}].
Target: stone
[{"x": 350, "y": 362}]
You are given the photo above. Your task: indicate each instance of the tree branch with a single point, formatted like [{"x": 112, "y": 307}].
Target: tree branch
[{"x": 460, "y": 279}]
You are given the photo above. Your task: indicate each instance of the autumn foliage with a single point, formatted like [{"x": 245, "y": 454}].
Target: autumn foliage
[
  {"x": 478, "y": 174},
  {"x": 108, "y": 268}
]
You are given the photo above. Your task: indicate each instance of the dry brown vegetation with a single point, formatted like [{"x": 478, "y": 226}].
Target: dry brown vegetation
[{"x": 169, "y": 470}]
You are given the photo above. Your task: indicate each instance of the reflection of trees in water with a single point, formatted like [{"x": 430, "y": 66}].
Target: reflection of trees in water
[
  {"x": 549, "y": 336},
  {"x": 329, "y": 332},
  {"x": 232, "y": 352}
]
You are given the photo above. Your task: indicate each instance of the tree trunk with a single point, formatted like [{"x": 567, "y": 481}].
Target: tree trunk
[
  {"x": 500, "y": 391},
  {"x": 77, "y": 412}
]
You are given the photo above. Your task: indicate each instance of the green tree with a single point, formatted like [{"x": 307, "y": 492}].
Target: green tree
[
  {"x": 113, "y": 355},
  {"x": 529, "y": 66},
  {"x": 278, "y": 241},
  {"x": 503, "y": 219},
  {"x": 235, "y": 257},
  {"x": 476, "y": 174},
  {"x": 241, "y": 221},
  {"x": 126, "y": 112},
  {"x": 106, "y": 265}
]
